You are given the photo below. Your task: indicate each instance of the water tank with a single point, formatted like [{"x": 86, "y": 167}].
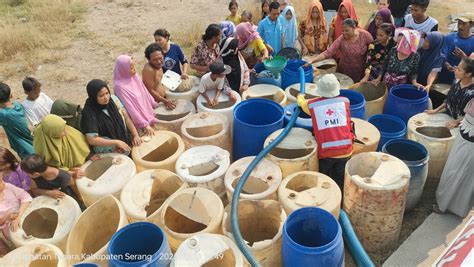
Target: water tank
[
  {"x": 296, "y": 152},
  {"x": 188, "y": 90},
  {"x": 326, "y": 66},
  {"x": 266, "y": 91},
  {"x": 375, "y": 97},
  {"x": 375, "y": 193},
  {"x": 204, "y": 166},
  {"x": 189, "y": 212},
  {"x": 290, "y": 74},
  {"x": 159, "y": 151},
  {"x": 208, "y": 250},
  {"x": 144, "y": 195},
  {"x": 47, "y": 221},
  {"x": 310, "y": 189},
  {"x": 171, "y": 120},
  {"x": 207, "y": 129},
  {"x": 262, "y": 183},
  {"x": 303, "y": 121},
  {"x": 431, "y": 132},
  {"x": 357, "y": 103},
  {"x": 107, "y": 175},
  {"x": 225, "y": 107},
  {"x": 367, "y": 134},
  {"x": 390, "y": 127},
  {"x": 405, "y": 101},
  {"x": 35, "y": 255},
  {"x": 90, "y": 235},
  {"x": 260, "y": 223},
  {"x": 293, "y": 90}
]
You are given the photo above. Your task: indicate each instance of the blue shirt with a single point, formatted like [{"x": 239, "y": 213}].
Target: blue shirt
[
  {"x": 19, "y": 136},
  {"x": 172, "y": 59},
  {"x": 271, "y": 31},
  {"x": 451, "y": 41}
]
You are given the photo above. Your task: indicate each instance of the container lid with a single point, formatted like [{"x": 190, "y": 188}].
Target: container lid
[
  {"x": 378, "y": 171},
  {"x": 202, "y": 164},
  {"x": 366, "y": 132},
  {"x": 266, "y": 91},
  {"x": 171, "y": 80}
]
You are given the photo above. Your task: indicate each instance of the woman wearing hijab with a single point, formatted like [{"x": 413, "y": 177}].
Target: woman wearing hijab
[
  {"x": 104, "y": 122},
  {"x": 70, "y": 112},
  {"x": 61, "y": 145},
  {"x": 227, "y": 28},
  {"x": 384, "y": 15},
  {"x": 346, "y": 11},
  {"x": 402, "y": 62},
  {"x": 136, "y": 99},
  {"x": 290, "y": 30},
  {"x": 251, "y": 44},
  {"x": 312, "y": 30},
  {"x": 239, "y": 78}
]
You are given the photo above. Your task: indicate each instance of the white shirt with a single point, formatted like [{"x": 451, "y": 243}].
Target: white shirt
[
  {"x": 207, "y": 84},
  {"x": 423, "y": 27},
  {"x": 36, "y": 110}
]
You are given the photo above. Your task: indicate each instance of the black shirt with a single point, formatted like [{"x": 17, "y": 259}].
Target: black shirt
[
  {"x": 331, "y": 4},
  {"x": 399, "y": 7},
  {"x": 61, "y": 181}
]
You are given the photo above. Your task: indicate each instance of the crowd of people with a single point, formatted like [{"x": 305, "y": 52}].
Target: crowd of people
[{"x": 397, "y": 45}]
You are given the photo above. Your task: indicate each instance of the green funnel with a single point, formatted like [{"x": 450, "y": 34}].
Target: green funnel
[{"x": 275, "y": 65}]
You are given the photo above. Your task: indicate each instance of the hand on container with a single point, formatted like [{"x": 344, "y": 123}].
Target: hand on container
[
  {"x": 304, "y": 50},
  {"x": 77, "y": 173},
  {"x": 376, "y": 81},
  {"x": 136, "y": 140},
  {"x": 122, "y": 146},
  {"x": 148, "y": 131},
  {"x": 15, "y": 224},
  {"x": 184, "y": 76},
  {"x": 431, "y": 111},
  {"x": 55, "y": 193},
  {"x": 244, "y": 88},
  {"x": 169, "y": 104},
  {"x": 419, "y": 86},
  {"x": 452, "y": 124}
]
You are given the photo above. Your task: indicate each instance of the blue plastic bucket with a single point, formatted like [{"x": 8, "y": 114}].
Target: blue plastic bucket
[
  {"x": 139, "y": 244},
  {"x": 304, "y": 120},
  {"x": 416, "y": 157},
  {"x": 259, "y": 67},
  {"x": 357, "y": 101},
  {"x": 405, "y": 100},
  {"x": 254, "y": 120},
  {"x": 312, "y": 237},
  {"x": 390, "y": 127},
  {"x": 290, "y": 74}
]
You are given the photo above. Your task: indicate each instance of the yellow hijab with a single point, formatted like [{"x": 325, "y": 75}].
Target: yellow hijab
[{"x": 59, "y": 150}]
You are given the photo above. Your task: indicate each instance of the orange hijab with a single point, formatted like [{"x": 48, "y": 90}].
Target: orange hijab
[
  {"x": 309, "y": 22},
  {"x": 352, "y": 14}
]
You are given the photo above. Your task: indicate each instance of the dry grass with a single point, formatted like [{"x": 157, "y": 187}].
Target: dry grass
[{"x": 29, "y": 26}]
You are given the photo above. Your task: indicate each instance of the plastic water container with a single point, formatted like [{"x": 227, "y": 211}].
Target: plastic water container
[
  {"x": 171, "y": 120},
  {"x": 375, "y": 97},
  {"x": 303, "y": 121},
  {"x": 416, "y": 158},
  {"x": 259, "y": 67},
  {"x": 390, "y": 127},
  {"x": 357, "y": 102},
  {"x": 35, "y": 255},
  {"x": 254, "y": 120},
  {"x": 225, "y": 107},
  {"x": 290, "y": 74},
  {"x": 312, "y": 237},
  {"x": 139, "y": 244},
  {"x": 188, "y": 90},
  {"x": 293, "y": 90},
  {"x": 368, "y": 134},
  {"x": 405, "y": 100},
  {"x": 266, "y": 91}
]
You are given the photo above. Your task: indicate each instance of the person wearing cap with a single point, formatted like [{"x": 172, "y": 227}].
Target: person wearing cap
[
  {"x": 456, "y": 46},
  {"x": 215, "y": 80},
  {"x": 332, "y": 127}
]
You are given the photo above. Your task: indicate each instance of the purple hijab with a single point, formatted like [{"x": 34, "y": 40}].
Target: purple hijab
[{"x": 386, "y": 15}]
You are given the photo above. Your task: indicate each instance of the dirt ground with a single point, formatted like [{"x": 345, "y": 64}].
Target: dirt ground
[{"x": 111, "y": 28}]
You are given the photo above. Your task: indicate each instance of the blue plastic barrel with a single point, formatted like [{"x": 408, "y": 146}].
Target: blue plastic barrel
[
  {"x": 139, "y": 244},
  {"x": 304, "y": 120},
  {"x": 357, "y": 103},
  {"x": 259, "y": 67},
  {"x": 405, "y": 100},
  {"x": 390, "y": 127},
  {"x": 254, "y": 120},
  {"x": 416, "y": 157},
  {"x": 312, "y": 237},
  {"x": 290, "y": 74}
]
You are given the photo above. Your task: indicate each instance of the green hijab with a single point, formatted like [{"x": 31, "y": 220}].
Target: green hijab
[
  {"x": 71, "y": 113},
  {"x": 61, "y": 145}
]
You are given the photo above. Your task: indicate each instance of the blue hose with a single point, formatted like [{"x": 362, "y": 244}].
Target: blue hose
[{"x": 357, "y": 251}]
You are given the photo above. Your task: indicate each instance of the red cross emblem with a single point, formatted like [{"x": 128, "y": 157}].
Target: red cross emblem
[{"x": 329, "y": 112}]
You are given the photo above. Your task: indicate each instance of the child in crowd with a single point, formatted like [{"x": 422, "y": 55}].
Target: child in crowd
[
  {"x": 50, "y": 181},
  {"x": 380, "y": 5},
  {"x": 246, "y": 17},
  {"x": 13, "y": 202},
  {"x": 37, "y": 104},
  {"x": 11, "y": 171},
  {"x": 290, "y": 27},
  {"x": 265, "y": 8},
  {"x": 418, "y": 20},
  {"x": 13, "y": 120},
  {"x": 234, "y": 17},
  {"x": 215, "y": 80}
]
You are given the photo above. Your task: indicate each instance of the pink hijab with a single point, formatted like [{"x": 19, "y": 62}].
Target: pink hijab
[
  {"x": 409, "y": 42},
  {"x": 246, "y": 32},
  {"x": 132, "y": 92}
]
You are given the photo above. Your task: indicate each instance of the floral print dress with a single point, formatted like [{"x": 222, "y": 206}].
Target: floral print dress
[
  {"x": 398, "y": 71},
  {"x": 376, "y": 56}
]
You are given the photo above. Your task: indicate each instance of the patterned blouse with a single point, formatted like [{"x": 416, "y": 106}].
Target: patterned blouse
[
  {"x": 396, "y": 71},
  {"x": 204, "y": 55},
  {"x": 376, "y": 56},
  {"x": 310, "y": 36},
  {"x": 18, "y": 178},
  {"x": 457, "y": 99}
]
